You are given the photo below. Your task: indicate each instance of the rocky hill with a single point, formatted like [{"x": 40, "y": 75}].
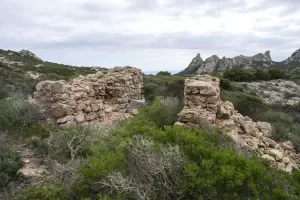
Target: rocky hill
[
  {"x": 21, "y": 71},
  {"x": 261, "y": 60}
]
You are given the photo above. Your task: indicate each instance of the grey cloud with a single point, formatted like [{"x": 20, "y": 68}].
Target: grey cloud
[{"x": 25, "y": 19}]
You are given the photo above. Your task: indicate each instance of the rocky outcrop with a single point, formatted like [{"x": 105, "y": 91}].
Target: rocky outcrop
[
  {"x": 194, "y": 65},
  {"x": 214, "y": 63},
  {"x": 202, "y": 105},
  {"x": 95, "y": 98},
  {"x": 275, "y": 91},
  {"x": 294, "y": 58}
]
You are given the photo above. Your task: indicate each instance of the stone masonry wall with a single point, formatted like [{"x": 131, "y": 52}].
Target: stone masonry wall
[
  {"x": 95, "y": 98},
  {"x": 202, "y": 105}
]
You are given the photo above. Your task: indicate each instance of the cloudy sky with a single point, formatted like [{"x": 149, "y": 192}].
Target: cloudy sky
[{"x": 149, "y": 34}]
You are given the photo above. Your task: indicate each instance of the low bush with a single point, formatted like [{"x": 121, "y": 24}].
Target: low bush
[
  {"x": 17, "y": 114},
  {"x": 69, "y": 143},
  {"x": 50, "y": 189},
  {"x": 163, "y": 111},
  {"x": 163, "y": 86},
  {"x": 163, "y": 73},
  {"x": 10, "y": 162}
]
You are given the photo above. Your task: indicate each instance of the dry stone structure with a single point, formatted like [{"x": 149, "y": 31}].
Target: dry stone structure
[
  {"x": 95, "y": 98},
  {"x": 202, "y": 105}
]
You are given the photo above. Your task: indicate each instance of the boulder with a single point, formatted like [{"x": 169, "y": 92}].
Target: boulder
[
  {"x": 265, "y": 128},
  {"x": 137, "y": 103},
  {"x": 278, "y": 155},
  {"x": 268, "y": 157},
  {"x": 80, "y": 118}
]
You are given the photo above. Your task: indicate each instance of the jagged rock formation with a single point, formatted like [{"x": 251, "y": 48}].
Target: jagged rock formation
[
  {"x": 214, "y": 63},
  {"x": 294, "y": 58},
  {"x": 202, "y": 105},
  {"x": 194, "y": 65},
  {"x": 95, "y": 98},
  {"x": 271, "y": 92}
]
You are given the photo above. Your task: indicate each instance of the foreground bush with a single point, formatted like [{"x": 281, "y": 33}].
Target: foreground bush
[
  {"x": 139, "y": 155},
  {"x": 10, "y": 162},
  {"x": 50, "y": 189}
]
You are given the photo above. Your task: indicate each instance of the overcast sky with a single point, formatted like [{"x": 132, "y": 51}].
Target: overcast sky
[{"x": 149, "y": 34}]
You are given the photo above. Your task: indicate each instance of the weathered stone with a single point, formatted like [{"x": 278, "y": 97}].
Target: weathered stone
[
  {"x": 137, "y": 103},
  {"x": 265, "y": 128},
  {"x": 134, "y": 111},
  {"x": 287, "y": 146},
  {"x": 94, "y": 107},
  {"x": 91, "y": 116},
  {"x": 278, "y": 155},
  {"x": 60, "y": 110},
  {"x": 65, "y": 119},
  {"x": 80, "y": 118},
  {"x": 269, "y": 141},
  {"x": 249, "y": 128},
  {"x": 281, "y": 166},
  {"x": 268, "y": 157}
]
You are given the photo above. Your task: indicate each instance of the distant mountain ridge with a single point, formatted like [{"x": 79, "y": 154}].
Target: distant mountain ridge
[{"x": 260, "y": 60}]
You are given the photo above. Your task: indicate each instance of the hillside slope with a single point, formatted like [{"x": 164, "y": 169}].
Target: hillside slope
[{"x": 21, "y": 71}]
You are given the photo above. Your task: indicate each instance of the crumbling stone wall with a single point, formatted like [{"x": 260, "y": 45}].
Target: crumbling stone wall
[
  {"x": 202, "y": 105},
  {"x": 95, "y": 98}
]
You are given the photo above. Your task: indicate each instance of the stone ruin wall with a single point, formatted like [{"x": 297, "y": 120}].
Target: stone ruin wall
[
  {"x": 96, "y": 98},
  {"x": 202, "y": 105}
]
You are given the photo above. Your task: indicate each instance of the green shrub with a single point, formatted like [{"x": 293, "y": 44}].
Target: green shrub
[
  {"x": 163, "y": 86},
  {"x": 69, "y": 143},
  {"x": 276, "y": 73},
  {"x": 210, "y": 169},
  {"x": 10, "y": 162},
  {"x": 262, "y": 75},
  {"x": 163, "y": 111},
  {"x": 246, "y": 104},
  {"x": 163, "y": 73},
  {"x": 225, "y": 84},
  {"x": 246, "y": 75},
  {"x": 50, "y": 189},
  {"x": 17, "y": 114},
  {"x": 239, "y": 74}
]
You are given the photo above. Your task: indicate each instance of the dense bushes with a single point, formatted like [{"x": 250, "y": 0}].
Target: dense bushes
[
  {"x": 143, "y": 159},
  {"x": 10, "y": 162},
  {"x": 163, "y": 73},
  {"x": 51, "y": 189},
  {"x": 167, "y": 86},
  {"x": 242, "y": 74},
  {"x": 17, "y": 114},
  {"x": 121, "y": 167}
]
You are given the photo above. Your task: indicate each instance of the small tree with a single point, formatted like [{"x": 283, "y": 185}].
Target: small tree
[
  {"x": 163, "y": 73},
  {"x": 276, "y": 73}
]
